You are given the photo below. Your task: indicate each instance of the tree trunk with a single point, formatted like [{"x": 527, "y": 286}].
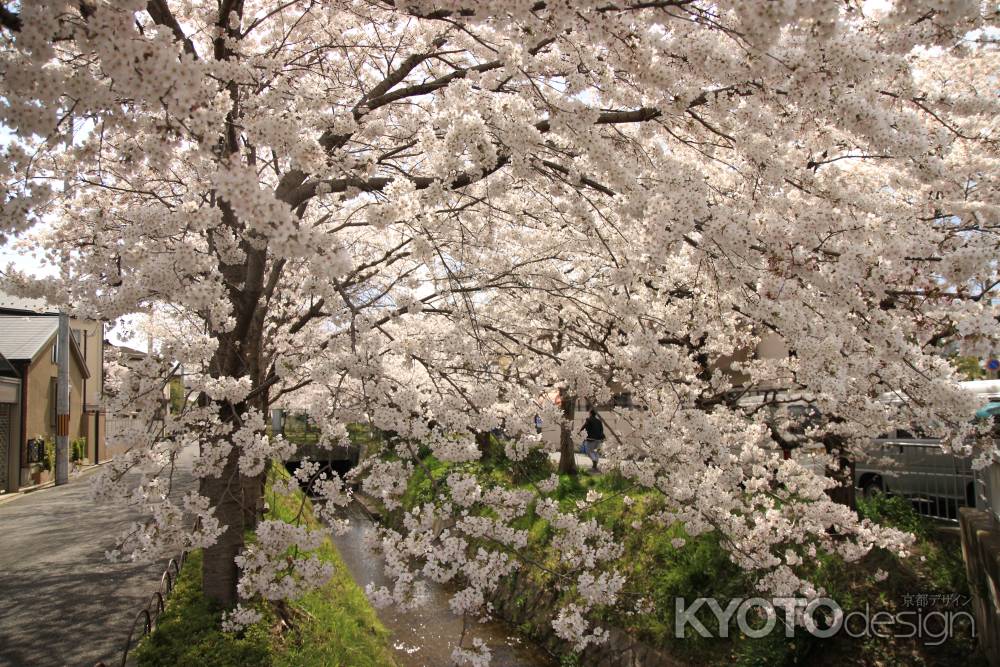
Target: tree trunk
[
  {"x": 219, "y": 571},
  {"x": 253, "y": 499},
  {"x": 567, "y": 447},
  {"x": 845, "y": 492},
  {"x": 844, "y": 473},
  {"x": 483, "y": 443}
]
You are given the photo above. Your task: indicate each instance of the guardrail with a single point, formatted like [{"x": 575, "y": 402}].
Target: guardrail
[
  {"x": 157, "y": 602},
  {"x": 937, "y": 483},
  {"x": 150, "y": 613}
]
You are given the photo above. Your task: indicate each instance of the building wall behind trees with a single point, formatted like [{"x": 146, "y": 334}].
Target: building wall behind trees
[{"x": 41, "y": 398}]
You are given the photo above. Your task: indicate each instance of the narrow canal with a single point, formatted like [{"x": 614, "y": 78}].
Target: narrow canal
[{"x": 425, "y": 637}]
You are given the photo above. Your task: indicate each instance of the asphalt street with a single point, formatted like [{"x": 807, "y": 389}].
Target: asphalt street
[{"x": 61, "y": 601}]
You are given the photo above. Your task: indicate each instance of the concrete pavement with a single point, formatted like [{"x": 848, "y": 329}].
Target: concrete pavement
[
  {"x": 583, "y": 462},
  {"x": 61, "y": 602}
]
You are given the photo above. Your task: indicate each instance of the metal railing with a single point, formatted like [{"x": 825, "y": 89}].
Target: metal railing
[
  {"x": 936, "y": 483},
  {"x": 150, "y": 613}
]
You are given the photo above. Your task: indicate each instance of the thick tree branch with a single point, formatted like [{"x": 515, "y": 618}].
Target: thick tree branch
[{"x": 159, "y": 11}]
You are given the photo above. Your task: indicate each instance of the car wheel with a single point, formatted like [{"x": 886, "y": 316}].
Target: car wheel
[{"x": 872, "y": 488}]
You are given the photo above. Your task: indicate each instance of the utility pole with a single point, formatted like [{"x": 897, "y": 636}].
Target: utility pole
[
  {"x": 62, "y": 401},
  {"x": 62, "y": 358}
]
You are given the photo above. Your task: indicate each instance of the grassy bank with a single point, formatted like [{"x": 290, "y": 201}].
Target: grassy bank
[
  {"x": 659, "y": 571},
  {"x": 332, "y": 626}
]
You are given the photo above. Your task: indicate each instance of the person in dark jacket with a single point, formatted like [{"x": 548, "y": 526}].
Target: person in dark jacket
[{"x": 595, "y": 436}]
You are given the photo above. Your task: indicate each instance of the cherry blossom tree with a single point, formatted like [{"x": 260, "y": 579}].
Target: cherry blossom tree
[{"x": 426, "y": 215}]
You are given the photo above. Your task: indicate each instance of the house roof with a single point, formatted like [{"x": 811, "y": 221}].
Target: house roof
[
  {"x": 126, "y": 350},
  {"x": 22, "y": 337},
  {"x": 11, "y": 304}
]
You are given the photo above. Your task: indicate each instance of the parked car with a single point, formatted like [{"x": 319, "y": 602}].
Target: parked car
[
  {"x": 936, "y": 481},
  {"x": 914, "y": 465}
]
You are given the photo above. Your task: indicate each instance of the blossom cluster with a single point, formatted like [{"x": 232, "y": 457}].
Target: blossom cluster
[{"x": 438, "y": 219}]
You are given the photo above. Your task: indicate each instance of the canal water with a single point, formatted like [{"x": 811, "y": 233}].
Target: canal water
[{"x": 425, "y": 636}]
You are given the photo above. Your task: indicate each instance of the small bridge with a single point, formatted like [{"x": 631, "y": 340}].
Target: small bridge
[
  {"x": 299, "y": 429},
  {"x": 339, "y": 458}
]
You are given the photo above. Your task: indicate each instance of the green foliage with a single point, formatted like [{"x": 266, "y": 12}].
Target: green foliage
[
  {"x": 569, "y": 487},
  {"x": 534, "y": 467},
  {"x": 177, "y": 397},
  {"x": 942, "y": 564},
  {"x": 661, "y": 572},
  {"x": 968, "y": 367},
  {"x": 893, "y": 511},
  {"x": 569, "y": 660},
  {"x": 334, "y": 625},
  {"x": 49, "y": 460},
  {"x": 78, "y": 449},
  {"x": 773, "y": 649},
  {"x": 188, "y": 632},
  {"x": 421, "y": 487}
]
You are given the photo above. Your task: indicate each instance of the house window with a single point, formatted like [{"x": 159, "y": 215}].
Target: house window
[{"x": 80, "y": 336}]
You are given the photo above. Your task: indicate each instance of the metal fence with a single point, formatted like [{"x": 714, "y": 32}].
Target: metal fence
[
  {"x": 121, "y": 432},
  {"x": 146, "y": 618},
  {"x": 936, "y": 482}
]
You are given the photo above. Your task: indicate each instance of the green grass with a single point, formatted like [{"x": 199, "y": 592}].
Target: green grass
[
  {"x": 341, "y": 627},
  {"x": 188, "y": 635},
  {"x": 332, "y": 626},
  {"x": 660, "y": 572}
]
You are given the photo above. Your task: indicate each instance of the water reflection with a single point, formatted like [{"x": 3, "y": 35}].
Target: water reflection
[{"x": 425, "y": 637}]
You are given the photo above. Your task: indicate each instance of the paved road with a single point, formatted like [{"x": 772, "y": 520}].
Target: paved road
[
  {"x": 583, "y": 462},
  {"x": 61, "y": 602}
]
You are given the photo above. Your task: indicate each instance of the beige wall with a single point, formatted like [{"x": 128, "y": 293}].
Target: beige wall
[
  {"x": 91, "y": 343},
  {"x": 91, "y": 349},
  {"x": 40, "y": 397}
]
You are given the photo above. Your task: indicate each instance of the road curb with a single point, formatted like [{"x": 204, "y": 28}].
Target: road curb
[{"x": 25, "y": 490}]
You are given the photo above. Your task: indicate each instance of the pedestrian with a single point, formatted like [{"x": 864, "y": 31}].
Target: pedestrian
[
  {"x": 595, "y": 436},
  {"x": 538, "y": 423}
]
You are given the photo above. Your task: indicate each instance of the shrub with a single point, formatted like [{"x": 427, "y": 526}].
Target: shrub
[
  {"x": 894, "y": 511},
  {"x": 78, "y": 449},
  {"x": 49, "y": 460},
  {"x": 940, "y": 556}
]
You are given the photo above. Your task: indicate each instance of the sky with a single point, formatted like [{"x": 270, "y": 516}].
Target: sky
[{"x": 31, "y": 264}]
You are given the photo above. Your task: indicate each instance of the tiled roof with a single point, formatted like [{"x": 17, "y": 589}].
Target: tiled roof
[
  {"x": 125, "y": 349},
  {"x": 9, "y": 302},
  {"x": 22, "y": 336}
]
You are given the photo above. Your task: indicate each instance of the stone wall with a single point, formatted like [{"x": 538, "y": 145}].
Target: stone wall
[
  {"x": 981, "y": 549},
  {"x": 530, "y": 608}
]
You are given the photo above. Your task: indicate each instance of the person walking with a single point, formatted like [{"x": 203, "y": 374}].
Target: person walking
[{"x": 595, "y": 436}]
